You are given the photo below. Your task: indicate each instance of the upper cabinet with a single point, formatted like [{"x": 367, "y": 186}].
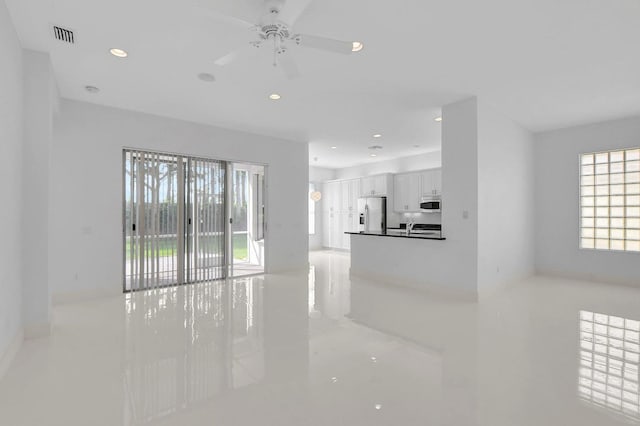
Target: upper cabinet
[
  {"x": 407, "y": 192},
  {"x": 375, "y": 185},
  {"x": 350, "y": 191},
  {"x": 431, "y": 182}
]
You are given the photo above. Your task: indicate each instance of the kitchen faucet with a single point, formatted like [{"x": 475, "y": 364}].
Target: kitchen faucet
[{"x": 409, "y": 228}]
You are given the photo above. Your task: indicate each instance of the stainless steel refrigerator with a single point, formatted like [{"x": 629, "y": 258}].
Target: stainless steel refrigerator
[{"x": 373, "y": 214}]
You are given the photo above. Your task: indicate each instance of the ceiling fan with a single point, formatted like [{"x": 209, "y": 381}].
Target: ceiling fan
[{"x": 274, "y": 31}]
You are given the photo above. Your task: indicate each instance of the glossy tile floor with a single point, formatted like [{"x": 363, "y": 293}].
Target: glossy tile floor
[{"x": 325, "y": 350}]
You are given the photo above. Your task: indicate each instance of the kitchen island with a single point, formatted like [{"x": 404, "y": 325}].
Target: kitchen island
[{"x": 418, "y": 261}]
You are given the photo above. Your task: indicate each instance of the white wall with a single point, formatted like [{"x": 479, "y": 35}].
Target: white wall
[
  {"x": 505, "y": 201},
  {"x": 10, "y": 184},
  {"x": 429, "y": 160},
  {"x": 318, "y": 175},
  {"x": 39, "y": 100},
  {"x": 86, "y": 201},
  {"x": 460, "y": 194},
  {"x": 557, "y": 203}
]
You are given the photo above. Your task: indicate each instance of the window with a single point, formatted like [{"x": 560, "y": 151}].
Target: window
[
  {"x": 610, "y": 200},
  {"x": 312, "y": 210}
]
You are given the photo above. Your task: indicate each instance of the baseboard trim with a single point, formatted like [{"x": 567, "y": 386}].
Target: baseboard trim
[
  {"x": 63, "y": 298},
  {"x": 6, "y": 358},
  {"x": 36, "y": 331},
  {"x": 634, "y": 283}
]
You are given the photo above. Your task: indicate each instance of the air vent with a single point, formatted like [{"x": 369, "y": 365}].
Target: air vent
[{"x": 63, "y": 35}]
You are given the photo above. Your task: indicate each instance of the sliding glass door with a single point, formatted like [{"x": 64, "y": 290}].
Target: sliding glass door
[
  {"x": 153, "y": 220},
  {"x": 207, "y": 220},
  {"x": 177, "y": 224}
]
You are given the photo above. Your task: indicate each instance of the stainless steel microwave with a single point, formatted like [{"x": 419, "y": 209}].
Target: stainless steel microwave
[{"x": 431, "y": 205}]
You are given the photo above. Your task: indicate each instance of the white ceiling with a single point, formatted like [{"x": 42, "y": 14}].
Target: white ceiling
[{"x": 545, "y": 63}]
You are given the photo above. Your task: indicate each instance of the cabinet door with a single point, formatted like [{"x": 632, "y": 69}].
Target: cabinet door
[
  {"x": 346, "y": 227},
  {"x": 380, "y": 185},
  {"x": 366, "y": 186},
  {"x": 336, "y": 230},
  {"x": 326, "y": 229},
  {"x": 406, "y": 192},
  {"x": 345, "y": 196},
  {"x": 333, "y": 194},
  {"x": 401, "y": 193},
  {"x": 437, "y": 182},
  {"x": 354, "y": 194},
  {"x": 427, "y": 183},
  {"x": 414, "y": 193}
]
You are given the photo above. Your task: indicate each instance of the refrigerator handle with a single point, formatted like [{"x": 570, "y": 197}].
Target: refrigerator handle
[{"x": 366, "y": 217}]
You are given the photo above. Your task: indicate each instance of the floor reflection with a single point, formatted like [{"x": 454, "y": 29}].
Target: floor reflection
[
  {"x": 609, "y": 362},
  {"x": 323, "y": 348},
  {"x": 186, "y": 345}
]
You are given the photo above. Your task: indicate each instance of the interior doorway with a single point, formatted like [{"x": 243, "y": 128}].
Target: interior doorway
[{"x": 247, "y": 211}]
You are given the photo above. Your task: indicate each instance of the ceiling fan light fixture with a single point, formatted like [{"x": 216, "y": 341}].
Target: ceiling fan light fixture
[
  {"x": 119, "y": 53},
  {"x": 357, "y": 46}
]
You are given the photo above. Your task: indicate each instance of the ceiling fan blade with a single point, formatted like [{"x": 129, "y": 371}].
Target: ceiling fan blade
[
  {"x": 233, "y": 56},
  {"x": 328, "y": 44},
  {"x": 289, "y": 65},
  {"x": 292, "y": 11},
  {"x": 228, "y": 58},
  {"x": 223, "y": 15}
]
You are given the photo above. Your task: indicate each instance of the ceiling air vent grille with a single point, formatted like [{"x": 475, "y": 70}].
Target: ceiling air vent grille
[{"x": 63, "y": 34}]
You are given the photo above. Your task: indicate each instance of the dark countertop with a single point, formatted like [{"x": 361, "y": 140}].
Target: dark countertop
[{"x": 394, "y": 235}]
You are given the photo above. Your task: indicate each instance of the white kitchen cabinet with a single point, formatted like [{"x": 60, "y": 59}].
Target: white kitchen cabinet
[
  {"x": 340, "y": 207},
  {"x": 432, "y": 182},
  {"x": 327, "y": 226},
  {"x": 407, "y": 192},
  {"x": 375, "y": 185},
  {"x": 350, "y": 191},
  {"x": 331, "y": 197}
]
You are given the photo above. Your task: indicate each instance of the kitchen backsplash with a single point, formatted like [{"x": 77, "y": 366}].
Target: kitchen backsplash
[{"x": 394, "y": 219}]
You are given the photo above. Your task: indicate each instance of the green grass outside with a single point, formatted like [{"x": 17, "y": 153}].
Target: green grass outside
[{"x": 168, "y": 246}]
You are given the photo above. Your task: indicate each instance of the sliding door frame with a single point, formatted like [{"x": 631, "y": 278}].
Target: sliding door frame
[{"x": 183, "y": 214}]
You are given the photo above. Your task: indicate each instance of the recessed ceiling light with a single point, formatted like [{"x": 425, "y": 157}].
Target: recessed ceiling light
[
  {"x": 373, "y": 155},
  {"x": 119, "y": 52},
  {"x": 438, "y": 119},
  {"x": 378, "y": 406},
  {"x": 377, "y": 135},
  {"x": 91, "y": 89},
  {"x": 274, "y": 96},
  {"x": 206, "y": 77},
  {"x": 357, "y": 46},
  {"x": 334, "y": 147}
]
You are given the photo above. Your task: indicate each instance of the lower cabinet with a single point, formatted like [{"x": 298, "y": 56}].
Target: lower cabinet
[{"x": 334, "y": 226}]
